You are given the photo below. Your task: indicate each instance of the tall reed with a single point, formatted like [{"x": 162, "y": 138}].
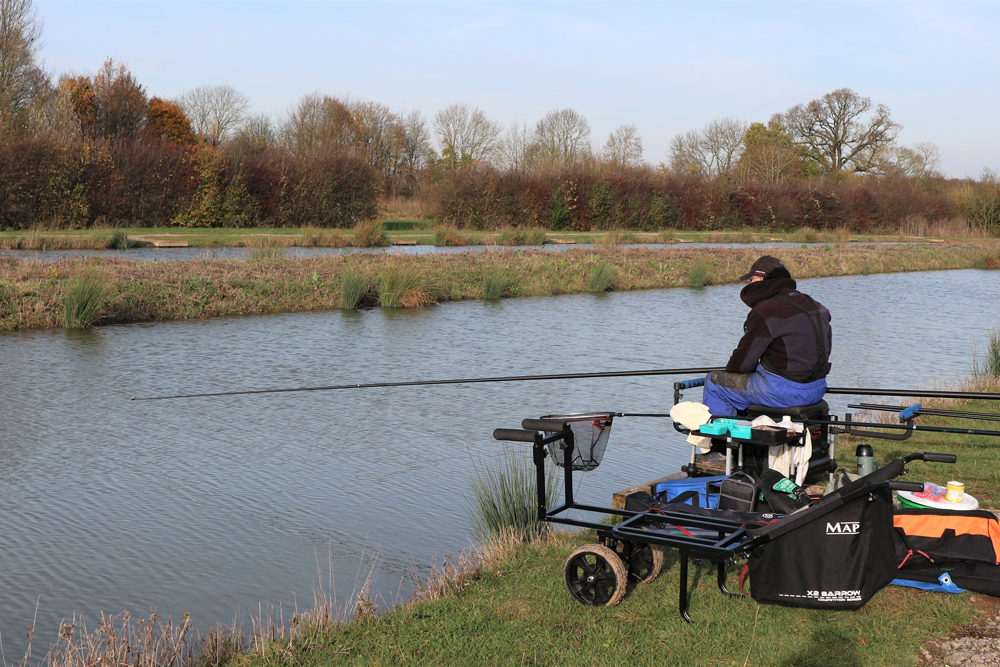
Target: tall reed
[
  {"x": 84, "y": 300},
  {"x": 698, "y": 273},
  {"x": 504, "y": 496},
  {"x": 601, "y": 278},
  {"x": 370, "y": 234}
]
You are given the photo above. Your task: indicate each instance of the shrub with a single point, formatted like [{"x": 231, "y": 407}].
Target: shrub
[{"x": 84, "y": 300}]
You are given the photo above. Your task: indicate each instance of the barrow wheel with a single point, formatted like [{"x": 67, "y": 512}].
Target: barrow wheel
[
  {"x": 595, "y": 575},
  {"x": 645, "y": 563}
]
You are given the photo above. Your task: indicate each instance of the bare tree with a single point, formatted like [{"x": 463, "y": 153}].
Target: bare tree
[
  {"x": 256, "y": 133},
  {"x": 623, "y": 147},
  {"x": 563, "y": 137},
  {"x": 841, "y": 130},
  {"x": 517, "y": 150},
  {"x": 214, "y": 111},
  {"x": 920, "y": 162},
  {"x": 712, "y": 151},
  {"x": 378, "y": 134},
  {"x": 318, "y": 121},
  {"x": 417, "y": 140},
  {"x": 21, "y": 78},
  {"x": 465, "y": 135}
]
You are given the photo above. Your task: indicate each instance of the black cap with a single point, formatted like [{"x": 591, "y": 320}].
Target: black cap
[{"x": 763, "y": 266}]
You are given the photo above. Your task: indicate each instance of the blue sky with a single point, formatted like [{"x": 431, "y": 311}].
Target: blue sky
[{"x": 665, "y": 66}]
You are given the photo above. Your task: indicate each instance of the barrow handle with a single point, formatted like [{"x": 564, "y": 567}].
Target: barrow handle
[
  {"x": 515, "y": 434},
  {"x": 930, "y": 456},
  {"x": 916, "y": 487},
  {"x": 543, "y": 425}
]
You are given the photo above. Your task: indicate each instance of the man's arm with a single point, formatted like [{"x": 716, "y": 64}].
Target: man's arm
[{"x": 755, "y": 341}]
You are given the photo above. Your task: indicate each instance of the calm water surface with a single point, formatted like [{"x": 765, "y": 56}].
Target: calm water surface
[{"x": 210, "y": 506}]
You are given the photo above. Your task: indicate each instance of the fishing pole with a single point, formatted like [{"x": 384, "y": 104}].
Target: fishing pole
[
  {"x": 422, "y": 383},
  {"x": 925, "y": 393}
]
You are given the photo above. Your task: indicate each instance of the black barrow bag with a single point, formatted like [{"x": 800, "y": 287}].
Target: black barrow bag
[
  {"x": 930, "y": 542},
  {"x": 832, "y": 555},
  {"x": 927, "y": 535}
]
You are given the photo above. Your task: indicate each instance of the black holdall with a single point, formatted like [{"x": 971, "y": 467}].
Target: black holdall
[
  {"x": 836, "y": 556},
  {"x": 738, "y": 492}
]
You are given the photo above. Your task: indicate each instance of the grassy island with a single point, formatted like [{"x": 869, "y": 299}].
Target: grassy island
[{"x": 44, "y": 294}]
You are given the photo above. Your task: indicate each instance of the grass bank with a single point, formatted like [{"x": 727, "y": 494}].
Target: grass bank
[{"x": 33, "y": 293}]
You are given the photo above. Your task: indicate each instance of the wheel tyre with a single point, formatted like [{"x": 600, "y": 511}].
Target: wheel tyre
[
  {"x": 595, "y": 575},
  {"x": 645, "y": 563}
]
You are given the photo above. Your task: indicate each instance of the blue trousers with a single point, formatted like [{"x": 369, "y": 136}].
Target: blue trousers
[{"x": 733, "y": 391}]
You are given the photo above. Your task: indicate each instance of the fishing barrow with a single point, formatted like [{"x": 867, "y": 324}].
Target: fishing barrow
[{"x": 842, "y": 574}]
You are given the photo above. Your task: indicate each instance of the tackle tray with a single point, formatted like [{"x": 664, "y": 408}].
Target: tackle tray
[{"x": 760, "y": 437}]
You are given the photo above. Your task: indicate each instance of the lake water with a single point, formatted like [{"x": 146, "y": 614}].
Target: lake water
[
  {"x": 184, "y": 254},
  {"x": 210, "y": 506}
]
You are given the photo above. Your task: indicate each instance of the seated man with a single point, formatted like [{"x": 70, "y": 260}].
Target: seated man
[{"x": 783, "y": 358}]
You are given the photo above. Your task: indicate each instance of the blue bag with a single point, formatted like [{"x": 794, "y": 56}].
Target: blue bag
[{"x": 666, "y": 491}]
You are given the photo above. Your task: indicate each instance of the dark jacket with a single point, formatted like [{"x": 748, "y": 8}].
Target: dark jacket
[{"x": 780, "y": 336}]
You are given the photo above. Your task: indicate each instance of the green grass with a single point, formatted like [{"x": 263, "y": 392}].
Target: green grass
[
  {"x": 601, "y": 278},
  {"x": 84, "y": 300},
  {"x": 698, "y": 273},
  {"x": 520, "y": 613}
]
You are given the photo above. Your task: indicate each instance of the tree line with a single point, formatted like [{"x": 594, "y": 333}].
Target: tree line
[{"x": 97, "y": 149}]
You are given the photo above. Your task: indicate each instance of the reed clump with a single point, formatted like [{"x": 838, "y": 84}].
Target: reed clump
[
  {"x": 601, "y": 278},
  {"x": 403, "y": 286},
  {"x": 84, "y": 300},
  {"x": 804, "y": 235},
  {"x": 370, "y": 234},
  {"x": 265, "y": 249},
  {"x": 452, "y": 237},
  {"x": 356, "y": 291},
  {"x": 698, "y": 273},
  {"x": 497, "y": 284},
  {"x": 522, "y": 236},
  {"x": 987, "y": 366},
  {"x": 504, "y": 496}
]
